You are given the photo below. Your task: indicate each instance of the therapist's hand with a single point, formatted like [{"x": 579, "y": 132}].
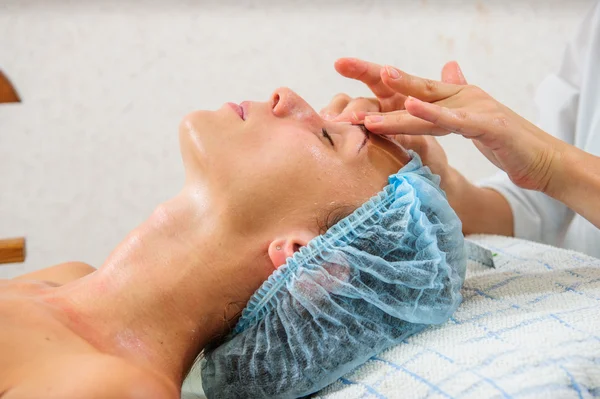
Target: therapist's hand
[
  {"x": 481, "y": 210},
  {"x": 345, "y": 108},
  {"x": 527, "y": 154},
  {"x": 532, "y": 158}
]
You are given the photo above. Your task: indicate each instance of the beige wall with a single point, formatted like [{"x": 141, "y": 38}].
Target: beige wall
[{"x": 93, "y": 147}]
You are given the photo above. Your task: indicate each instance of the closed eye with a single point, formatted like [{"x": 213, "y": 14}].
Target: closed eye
[
  {"x": 367, "y": 134},
  {"x": 364, "y": 129},
  {"x": 327, "y": 136}
]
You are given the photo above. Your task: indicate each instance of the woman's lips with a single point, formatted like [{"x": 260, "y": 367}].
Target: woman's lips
[
  {"x": 245, "y": 106},
  {"x": 238, "y": 109}
]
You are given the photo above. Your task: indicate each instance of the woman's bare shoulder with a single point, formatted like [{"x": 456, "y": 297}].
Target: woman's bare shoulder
[{"x": 93, "y": 376}]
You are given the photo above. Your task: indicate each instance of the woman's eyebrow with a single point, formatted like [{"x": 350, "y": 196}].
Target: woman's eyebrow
[
  {"x": 367, "y": 134},
  {"x": 363, "y": 127}
]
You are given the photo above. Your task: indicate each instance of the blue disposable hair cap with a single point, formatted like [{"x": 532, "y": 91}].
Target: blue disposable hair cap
[{"x": 388, "y": 270}]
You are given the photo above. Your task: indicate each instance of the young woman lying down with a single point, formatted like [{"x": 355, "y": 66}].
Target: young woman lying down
[{"x": 297, "y": 249}]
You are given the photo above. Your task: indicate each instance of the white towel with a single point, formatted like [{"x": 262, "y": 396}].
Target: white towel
[{"x": 528, "y": 328}]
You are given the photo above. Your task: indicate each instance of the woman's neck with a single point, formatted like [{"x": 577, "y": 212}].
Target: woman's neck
[{"x": 162, "y": 294}]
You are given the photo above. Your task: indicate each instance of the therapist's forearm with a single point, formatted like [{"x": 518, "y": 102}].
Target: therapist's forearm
[
  {"x": 575, "y": 181},
  {"x": 481, "y": 210}
]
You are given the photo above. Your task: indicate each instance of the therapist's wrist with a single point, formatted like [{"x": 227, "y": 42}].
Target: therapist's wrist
[
  {"x": 576, "y": 183},
  {"x": 565, "y": 171},
  {"x": 575, "y": 173}
]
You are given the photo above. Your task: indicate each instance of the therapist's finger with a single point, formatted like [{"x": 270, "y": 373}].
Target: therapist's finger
[
  {"x": 401, "y": 122},
  {"x": 455, "y": 120},
  {"x": 337, "y": 104},
  {"x": 414, "y": 86},
  {"x": 366, "y": 72},
  {"x": 357, "y": 109},
  {"x": 451, "y": 73}
]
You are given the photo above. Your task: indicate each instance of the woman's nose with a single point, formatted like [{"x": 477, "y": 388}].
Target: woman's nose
[{"x": 287, "y": 103}]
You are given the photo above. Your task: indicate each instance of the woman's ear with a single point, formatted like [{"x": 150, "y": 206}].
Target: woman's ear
[{"x": 284, "y": 247}]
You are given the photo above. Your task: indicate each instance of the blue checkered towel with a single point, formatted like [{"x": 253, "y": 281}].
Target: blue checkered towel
[{"x": 528, "y": 328}]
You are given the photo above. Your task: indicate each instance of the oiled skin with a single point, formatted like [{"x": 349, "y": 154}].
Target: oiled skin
[{"x": 42, "y": 358}]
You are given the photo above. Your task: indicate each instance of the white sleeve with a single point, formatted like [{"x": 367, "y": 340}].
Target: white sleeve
[{"x": 536, "y": 216}]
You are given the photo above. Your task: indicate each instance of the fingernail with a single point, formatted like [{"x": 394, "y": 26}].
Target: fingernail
[
  {"x": 374, "y": 119},
  {"x": 355, "y": 117},
  {"x": 392, "y": 72}
]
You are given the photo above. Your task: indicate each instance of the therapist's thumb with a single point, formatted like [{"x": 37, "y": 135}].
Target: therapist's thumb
[{"x": 451, "y": 73}]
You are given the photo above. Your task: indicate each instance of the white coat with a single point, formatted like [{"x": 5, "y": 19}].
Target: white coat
[{"x": 568, "y": 103}]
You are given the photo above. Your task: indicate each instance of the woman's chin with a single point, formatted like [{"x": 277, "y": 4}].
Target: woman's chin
[{"x": 193, "y": 149}]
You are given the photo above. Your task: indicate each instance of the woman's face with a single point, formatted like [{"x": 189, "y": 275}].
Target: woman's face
[{"x": 278, "y": 164}]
